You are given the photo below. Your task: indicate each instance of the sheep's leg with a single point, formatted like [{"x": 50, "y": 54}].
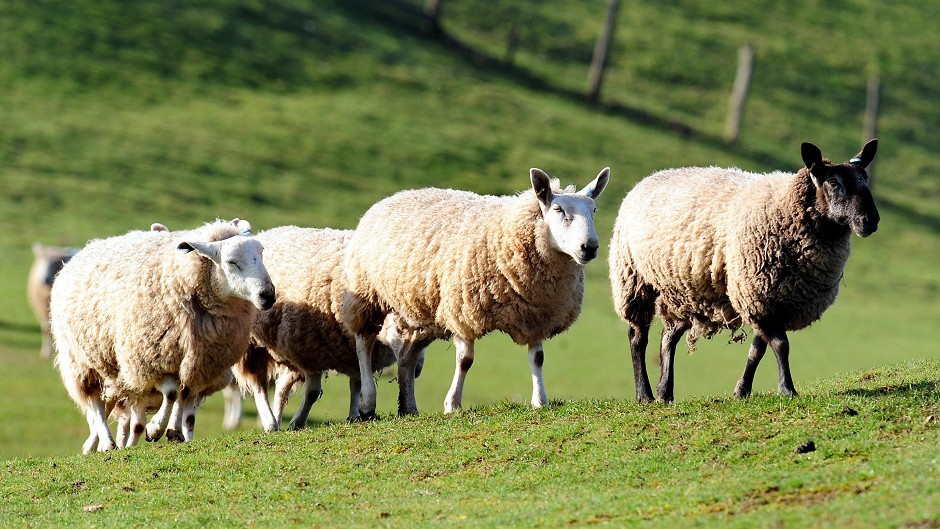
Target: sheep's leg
[
  {"x": 158, "y": 424},
  {"x": 536, "y": 360},
  {"x": 639, "y": 336},
  {"x": 781, "y": 346},
  {"x": 259, "y": 389},
  {"x": 313, "y": 390},
  {"x": 754, "y": 355},
  {"x": 672, "y": 333},
  {"x": 454, "y": 399},
  {"x": 138, "y": 420},
  {"x": 174, "y": 432},
  {"x": 190, "y": 407},
  {"x": 233, "y": 407},
  {"x": 91, "y": 443},
  {"x": 98, "y": 421},
  {"x": 283, "y": 384},
  {"x": 408, "y": 356},
  {"x": 364, "y": 345},
  {"x": 123, "y": 431},
  {"x": 355, "y": 386}
]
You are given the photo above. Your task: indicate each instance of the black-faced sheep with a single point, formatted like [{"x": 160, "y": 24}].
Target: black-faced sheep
[
  {"x": 455, "y": 264},
  {"x": 47, "y": 261},
  {"x": 156, "y": 310},
  {"x": 711, "y": 248}
]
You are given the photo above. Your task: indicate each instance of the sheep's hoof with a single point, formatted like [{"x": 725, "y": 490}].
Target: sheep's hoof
[
  {"x": 152, "y": 434},
  {"x": 174, "y": 436},
  {"x": 364, "y": 417},
  {"x": 787, "y": 392},
  {"x": 406, "y": 412},
  {"x": 292, "y": 426}
]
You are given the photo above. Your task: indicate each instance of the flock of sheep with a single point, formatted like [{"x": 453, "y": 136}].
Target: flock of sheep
[{"x": 153, "y": 321}]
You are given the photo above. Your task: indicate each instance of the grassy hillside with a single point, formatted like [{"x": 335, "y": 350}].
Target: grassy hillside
[
  {"x": 703, "y": 462},
  {"x": 117, "y": 115}
]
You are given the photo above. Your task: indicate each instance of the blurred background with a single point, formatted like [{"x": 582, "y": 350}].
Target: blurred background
[{"x": 119, "y": 114}]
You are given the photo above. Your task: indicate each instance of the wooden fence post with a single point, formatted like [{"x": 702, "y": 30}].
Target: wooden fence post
[
  {"x": 742, "y": 83},
  {"x": 601, "y": 51},
  {"x": 870, "y": 126}
]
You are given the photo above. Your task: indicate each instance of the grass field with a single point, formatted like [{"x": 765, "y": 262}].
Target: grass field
[
  {"x": 117, "y": 115},
  {"x": 703, "y": 462}
]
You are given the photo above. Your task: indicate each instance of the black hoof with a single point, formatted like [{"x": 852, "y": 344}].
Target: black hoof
[{"x": 173, "y": 436}]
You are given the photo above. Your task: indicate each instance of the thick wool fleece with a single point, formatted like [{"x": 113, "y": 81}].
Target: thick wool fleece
[
  {"x": 456, "y": 263},
  {"x": 724, "y": 247},
  {"x": 131, "y": 310},
  {"x": 303, "y": 330}
]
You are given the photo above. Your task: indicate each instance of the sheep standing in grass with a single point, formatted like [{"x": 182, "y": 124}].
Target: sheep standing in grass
[
  {"x": 161, "y": 310},
  {"x": 47, "y": 261},
  {"x": 711, "y": 248},
  {"x": 455, "y": 264},
  {"x": 302, "y": 333}
]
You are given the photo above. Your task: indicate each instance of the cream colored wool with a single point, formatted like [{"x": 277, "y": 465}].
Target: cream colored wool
[
  {"x": 303, "y": 331},
  {"x": 133, "y": 310},
  {"x": 463, "y": 264}
]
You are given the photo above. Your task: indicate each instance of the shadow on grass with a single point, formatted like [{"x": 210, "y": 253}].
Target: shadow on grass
[
  {"x": 18, "y": 327},
  {"x": 925, "y": 387},
  {"x": 931, "y": 222}
]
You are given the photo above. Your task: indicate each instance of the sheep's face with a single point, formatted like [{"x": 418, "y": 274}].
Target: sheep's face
[
  {"x": 241, "y": 270},
  {"x": 848, "y": 198},
  {"x": 570, "y": 216},
  {"x": 48, "y": 261}
]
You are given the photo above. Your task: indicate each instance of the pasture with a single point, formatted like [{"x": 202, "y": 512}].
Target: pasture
[{"x": 287, "y": 112}]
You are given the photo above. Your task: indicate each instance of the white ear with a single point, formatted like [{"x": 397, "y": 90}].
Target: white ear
[
  {"x": 596, "y": 187},
  {"x": 208, "y": 250},
  {"x": 542, "y": 185},
  {"x": 243, "y": 226}
]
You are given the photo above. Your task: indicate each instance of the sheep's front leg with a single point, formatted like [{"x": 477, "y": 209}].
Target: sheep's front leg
[
  {"x": 639, "y": 336},
  {"x": 754, "y": 355},
  {"x": 98, "y": 424},
  {"x": 233, "y": 407},
  {"x": 313, "y": 390},
  {"x": 190, "y": 407},
  {"x": 138, "y": 420},
  {"x": 536, "y": 360},
  {"x": 672, "y": 333},
  {"x": 454, "y": 399},
  {"x": 158, "y": 424},
  {"x": 355, "y": 387},
  {"x": 91, "y": 443},
  {"x": 364, "y": 345}
]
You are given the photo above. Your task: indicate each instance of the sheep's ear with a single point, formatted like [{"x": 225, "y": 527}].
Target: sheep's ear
[
  {"x": 542, "y": 185},
  {"x": 812, "y": 158},
  {"x": 243, "y": 226},
  {"x": 156, "y": 226},
  {"x": 210, "y": 251},
  {"x": 596, "y": 187},
  {"x": 865, "y": 157},
  {"x": 38, "y": 249}
]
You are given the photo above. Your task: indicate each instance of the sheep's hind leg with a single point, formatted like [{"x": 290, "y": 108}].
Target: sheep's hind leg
[
  {"x": 754, "y": 355},
  {"x": 454, "y": 399},
  {"x": 138, "y": 420},
  {"x": 313, "y": 390},
  {"x": 158, "y": 424},
  {"x": 98, "y": 422},
  {"x": 233, "y": 407},
  {"x": 781, "y": 346},
  {"x": 536, "y": 360},
  {"x": 672, "y": 333},
  {"x": 639, "y": 336},
  {"x": 174, "y": 431},
  {"x": 364, "y": 345},
  {"x": 409, "y": 354}
]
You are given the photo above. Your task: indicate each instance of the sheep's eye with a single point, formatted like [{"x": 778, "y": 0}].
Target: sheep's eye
[
  {"x": 558, "y": 209},
  {"x": 233, "y": 263}
]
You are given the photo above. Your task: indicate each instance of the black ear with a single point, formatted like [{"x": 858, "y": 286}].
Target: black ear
[
  {"x": 864, "y": 158},
  {"x": 542, "y": 185},
  {"x": 812, "y": 159}
]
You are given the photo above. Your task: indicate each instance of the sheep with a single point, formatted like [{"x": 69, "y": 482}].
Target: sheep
[
  {"x": 302, "y": 335},
  {"x": 156, "y": 310},
  {"x": 454, "y": 264},
  {"x": 711, "y": 249},
  {"x": 47, "y": 261}
]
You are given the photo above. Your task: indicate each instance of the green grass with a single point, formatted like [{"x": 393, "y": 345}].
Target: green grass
[
  {"x": 700, "y": 462},
  {"x": 117, "y": 115}
]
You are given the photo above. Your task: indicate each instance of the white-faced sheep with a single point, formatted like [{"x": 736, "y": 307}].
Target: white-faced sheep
[
  {"x": 47, "y": 261},
  {"x": 156, "y": 310},
  {"x": 711, "y": 248},
  {"x": 302, "y": 332},
  {"x": 456, "y": 264}
]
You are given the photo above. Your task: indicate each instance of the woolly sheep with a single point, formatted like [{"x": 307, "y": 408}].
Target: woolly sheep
[
  {"x": 455, "y": 264},
  {"x": 47, "y": 261},
  {"x": 711, "y": 248},
  {"x": 302, "y": 333},
  {"x": 156, "y": 310}
]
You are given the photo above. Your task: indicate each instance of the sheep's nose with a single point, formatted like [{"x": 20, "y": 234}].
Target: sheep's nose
[
  {"x": 267, "y": 299},
  {"x": 589, "y": 250}
]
